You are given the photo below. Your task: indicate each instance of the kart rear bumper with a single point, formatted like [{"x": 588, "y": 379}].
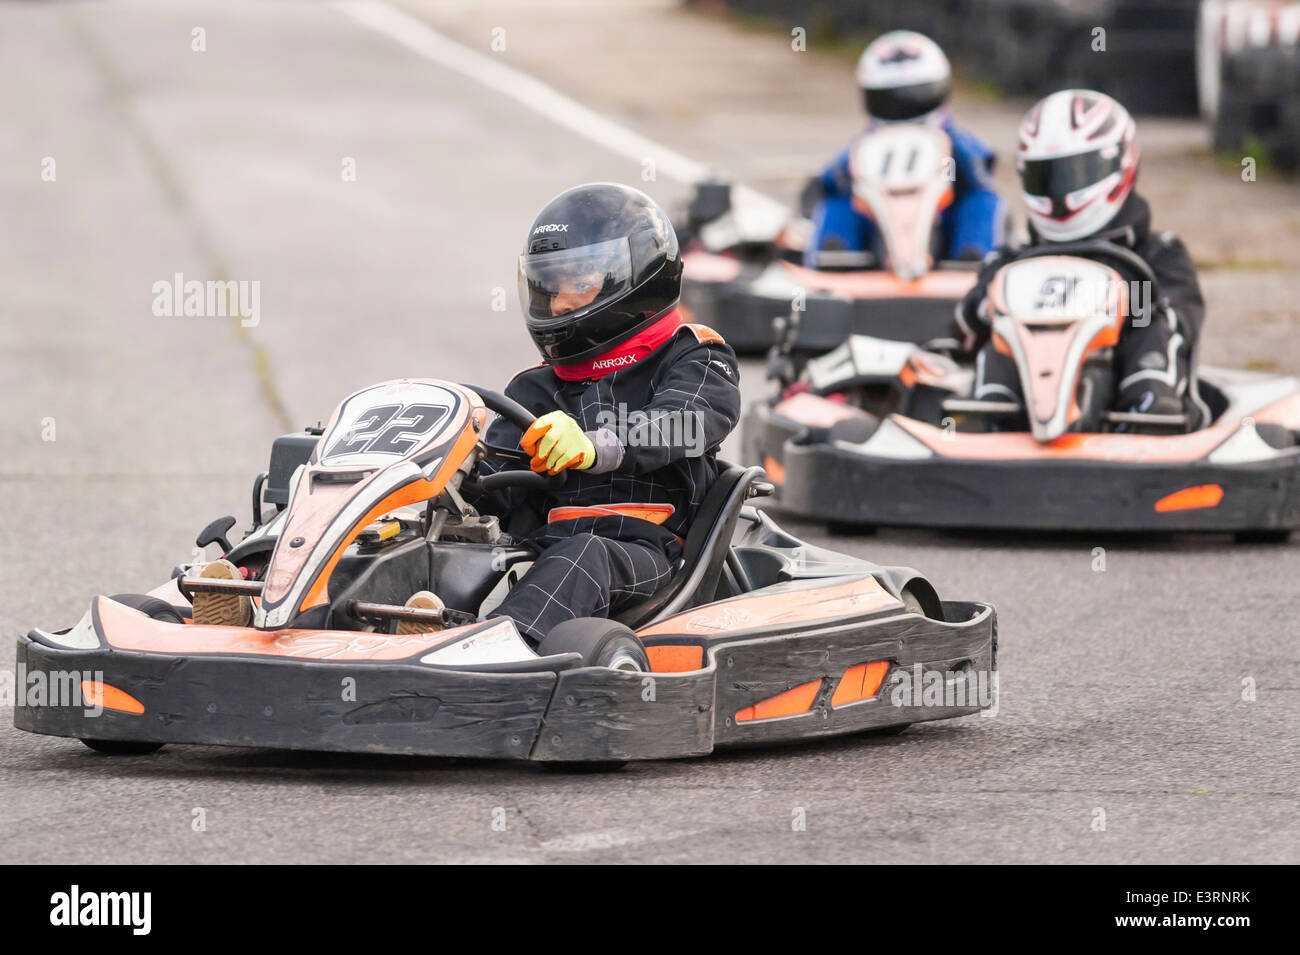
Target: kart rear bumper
[{"x": 578, "y": 714}]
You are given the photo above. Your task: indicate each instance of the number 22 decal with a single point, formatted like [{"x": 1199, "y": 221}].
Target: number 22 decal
[{"x": 387, "y": 429}]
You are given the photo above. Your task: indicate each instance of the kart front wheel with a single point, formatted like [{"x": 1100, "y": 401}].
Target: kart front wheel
[
  {"x": 122, "y": 747},
  {"x": 150, "y": 607}
]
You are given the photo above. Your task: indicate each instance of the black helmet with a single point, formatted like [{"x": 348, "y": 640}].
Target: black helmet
[{"x": 599, "y": 265}]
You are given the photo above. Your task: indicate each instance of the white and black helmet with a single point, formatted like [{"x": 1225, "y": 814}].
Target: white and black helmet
[
  {"x": 904, "y": 76},
  {"x": 1078, "y": 161}
]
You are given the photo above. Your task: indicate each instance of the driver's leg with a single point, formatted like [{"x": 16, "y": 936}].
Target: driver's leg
[
  {"x": 1152, "y": 367},
  {"x": 998, "y": 379},
  {"x": 583, "y": 576}
]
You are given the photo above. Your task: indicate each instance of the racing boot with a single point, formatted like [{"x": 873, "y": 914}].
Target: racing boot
[
  {"x": 421, "y": 600},
  {"x": 1160, "y": 400},
  {"x": 222, "y": 610}
]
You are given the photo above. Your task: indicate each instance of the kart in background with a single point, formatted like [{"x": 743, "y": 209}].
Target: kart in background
[
  {"x": 758, "y": 637},
  {"x": 742, "y": 265},
  {"x": 875, "y": 432}
]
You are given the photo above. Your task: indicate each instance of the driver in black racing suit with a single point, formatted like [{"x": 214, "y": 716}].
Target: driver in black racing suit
[{"x": 630, "y": 400}]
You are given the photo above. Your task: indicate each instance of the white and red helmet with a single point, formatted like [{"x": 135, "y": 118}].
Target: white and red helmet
[
  {"x": 1078, "y": 161},
  {"x": 904, "y": 77}
]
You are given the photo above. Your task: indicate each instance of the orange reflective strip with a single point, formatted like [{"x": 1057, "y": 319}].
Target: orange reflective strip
[
  {"x": 110, "y": 697},
  {"x": 654, "y": 513},
  {"x": 1191, "y": 498},
  {"x": 791, "y": 702},
  {"x": 860, "y": 682},
  {"x": 675, "y": 659},
  {"x": 774, "y": 468}
]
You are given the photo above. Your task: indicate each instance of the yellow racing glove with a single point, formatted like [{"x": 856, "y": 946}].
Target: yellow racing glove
[{"x": 557, "y": 442}]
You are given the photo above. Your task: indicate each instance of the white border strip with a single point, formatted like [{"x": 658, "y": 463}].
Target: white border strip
[{"x": 418, "y": 37}]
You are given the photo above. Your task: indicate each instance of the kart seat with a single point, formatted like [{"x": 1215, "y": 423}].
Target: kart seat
[{"x": 707, "y": 543}]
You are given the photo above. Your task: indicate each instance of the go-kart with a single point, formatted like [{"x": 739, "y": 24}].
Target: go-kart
[
  {"x": 886, "y": 433},
  {"x": 742, "y": 271},
  {"x": 756, "y": 640}
]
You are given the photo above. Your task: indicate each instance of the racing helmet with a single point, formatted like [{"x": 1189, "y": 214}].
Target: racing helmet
[
  {"x": 600, "y": 264},
  {"x": 1078, "y": 161},
  {"x": 904, "y": 76}
]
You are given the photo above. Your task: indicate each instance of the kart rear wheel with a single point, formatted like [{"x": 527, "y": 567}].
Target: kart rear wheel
[
  {"x": 588, "y": 768},
  {"x": 602, "y": 643},
  {"x": 919, "y": 597},
  {"x": 122, "y": 747},
  {"x": 1274, "y": 536}
]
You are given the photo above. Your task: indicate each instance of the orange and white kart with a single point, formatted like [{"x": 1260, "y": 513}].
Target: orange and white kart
[
  {"x": 754, "y": 640},
  {"x": 742, "y": 272},
  {"x": 887, "y": 433}
]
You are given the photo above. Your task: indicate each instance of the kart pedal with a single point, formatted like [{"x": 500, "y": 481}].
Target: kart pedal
[
  {"x": 421, "y": 600},
  {"x": 222, "y": 610}
]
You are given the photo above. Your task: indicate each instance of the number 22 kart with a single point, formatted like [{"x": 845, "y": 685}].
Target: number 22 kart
[{"x": 757, "y": 637}]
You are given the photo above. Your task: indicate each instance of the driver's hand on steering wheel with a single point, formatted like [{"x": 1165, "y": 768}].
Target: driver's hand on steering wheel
[{"x": 556, "y": 442}]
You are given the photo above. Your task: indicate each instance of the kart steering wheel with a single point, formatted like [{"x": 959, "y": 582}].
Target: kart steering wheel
[{"x": 523, "y": 476}]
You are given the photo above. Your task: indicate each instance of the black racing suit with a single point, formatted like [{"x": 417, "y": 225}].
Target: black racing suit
[
  {"x": 1152, "y": 359},
  {"x": 656, "y": 427}
]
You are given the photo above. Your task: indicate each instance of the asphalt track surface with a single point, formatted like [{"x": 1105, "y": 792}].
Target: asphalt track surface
[{"x": 1122, "y": 687}]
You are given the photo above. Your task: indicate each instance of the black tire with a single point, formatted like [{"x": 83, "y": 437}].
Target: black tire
[
  {"x": 150, "y": 606},
  {"x": 158, "y": 610},
  {"x": 849, "y": 529},
  {"x": 912, "y": 603},
  {"x": 888, "y": 730},
  {"x": 1272, "y": 536},
  {"x": 122, "y": 747},
  {"x": 590, "y": 768},
  {"x": 854, "y": 430},
  {"x": 602, "y": 643},
  {"x": 919, "y": 598}
]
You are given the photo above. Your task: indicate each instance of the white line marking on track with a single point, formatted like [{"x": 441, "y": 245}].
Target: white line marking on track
[{"x": 420, "y": 38}]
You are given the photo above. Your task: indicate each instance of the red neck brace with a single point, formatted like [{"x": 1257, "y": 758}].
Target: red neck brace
[{"x": 625, "y": 355}]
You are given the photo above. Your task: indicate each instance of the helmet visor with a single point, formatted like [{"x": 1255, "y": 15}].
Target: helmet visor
[
  {"x": 556, "y": 285},
  {"x": 905, "y": 102},
  {"x": 1059, "y": 177}
]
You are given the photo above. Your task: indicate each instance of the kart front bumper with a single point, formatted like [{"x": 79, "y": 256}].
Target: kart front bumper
[
  {"x": 834, "y": 482},
  {"x": 578, "y": 714}
]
